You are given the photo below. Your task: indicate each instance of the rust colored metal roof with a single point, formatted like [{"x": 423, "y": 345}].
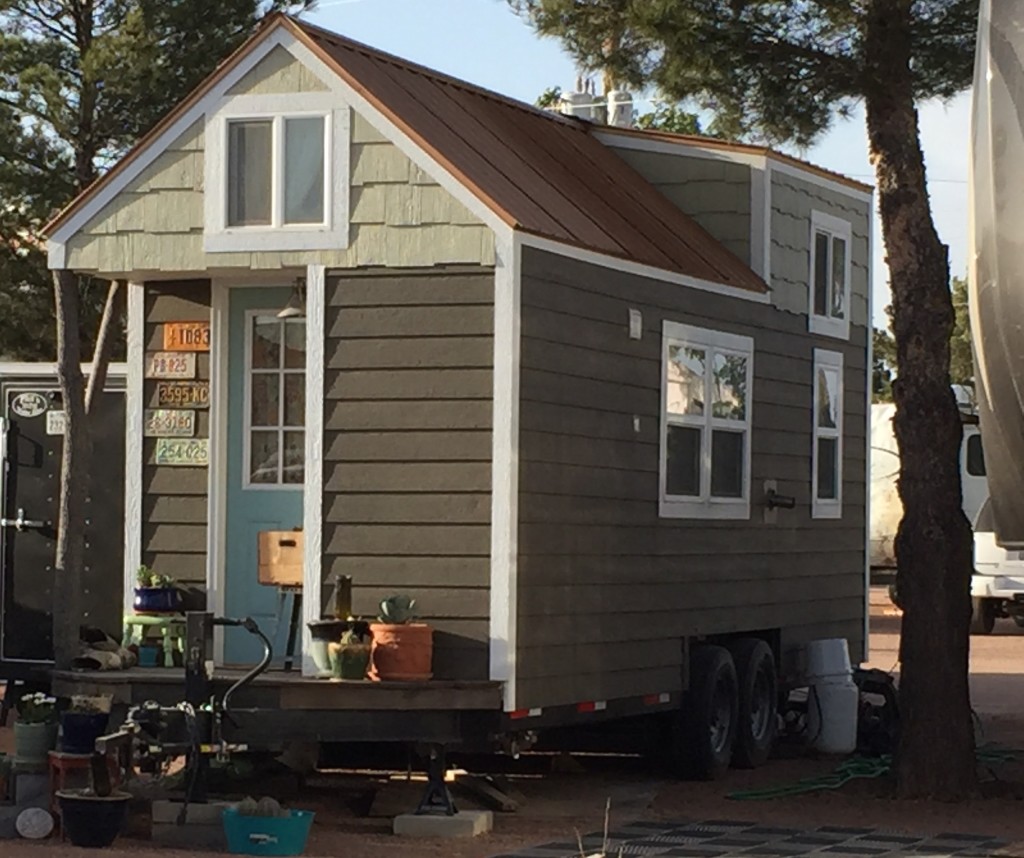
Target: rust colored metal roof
[{"x": 542, "y": 173}]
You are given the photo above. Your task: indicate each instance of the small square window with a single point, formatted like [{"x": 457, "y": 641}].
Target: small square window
[
  {"x": 727, "y": 464},
  {"x": 682, "y": 471}
]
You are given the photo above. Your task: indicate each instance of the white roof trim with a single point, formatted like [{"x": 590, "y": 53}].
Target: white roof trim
[
  {"x": 641, "y": 270},
  {"x": 212, "y": 101},
  {"x": 751, "y": 159}
]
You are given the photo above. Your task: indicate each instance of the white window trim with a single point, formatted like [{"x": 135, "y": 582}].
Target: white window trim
[
  {"x": 218, "y": 237},
  {"x": 705, "y": 507},
  {"x": 827, "y": 507},
  {"x": 247, "y": 483},
  {"x": 837, "y": 228}
]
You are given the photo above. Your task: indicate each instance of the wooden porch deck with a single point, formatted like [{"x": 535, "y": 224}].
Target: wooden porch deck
[{"x": 285, "y": 690}]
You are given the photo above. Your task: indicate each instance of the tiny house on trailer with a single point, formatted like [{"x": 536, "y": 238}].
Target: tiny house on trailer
[{"x": 596, "y": 398}]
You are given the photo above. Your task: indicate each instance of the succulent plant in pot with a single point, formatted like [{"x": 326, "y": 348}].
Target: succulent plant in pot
[
  {"x": 155, "y": 593},
  {"x": 403, "y": 650},
  {"x": 350, "y": 657}
]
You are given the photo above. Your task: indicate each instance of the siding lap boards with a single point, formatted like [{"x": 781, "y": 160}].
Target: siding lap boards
[{"x": 407, "y": 449}]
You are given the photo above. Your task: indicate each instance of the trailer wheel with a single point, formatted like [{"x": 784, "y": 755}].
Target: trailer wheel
[
  {"x": 757, "y": 723},
  {"x": 983, "y": 616},
  {"x": 1019, "y": 620},
  {"x": 707, "y": 720}
]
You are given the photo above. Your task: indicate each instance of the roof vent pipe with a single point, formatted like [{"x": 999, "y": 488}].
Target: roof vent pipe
[
  {"x": 620, "y": 108},
  {"x": 578, "y": 103}
]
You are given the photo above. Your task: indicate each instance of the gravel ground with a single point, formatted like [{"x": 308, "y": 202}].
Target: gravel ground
[{"x": 556, "y": 804}]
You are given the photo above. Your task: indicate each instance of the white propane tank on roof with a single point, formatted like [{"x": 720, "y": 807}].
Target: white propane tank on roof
[{"x": 620, "y": 108}]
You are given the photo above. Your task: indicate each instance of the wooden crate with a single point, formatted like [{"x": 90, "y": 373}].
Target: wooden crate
[{"x": 280, "y": 558}]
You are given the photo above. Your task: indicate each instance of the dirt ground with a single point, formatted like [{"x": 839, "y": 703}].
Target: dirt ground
[{"x": 556, "y": 804}]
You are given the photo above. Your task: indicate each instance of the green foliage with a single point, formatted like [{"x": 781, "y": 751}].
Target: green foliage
[
  {"x": 37, "y": 708},
  {"x": 883, "y": 369},
  {"x": 550, "y": 97},
  {"x": 79, "y": 83},
  {"x": 769, "y": 69},
  {"x": 146, "y": 578},
  {"x": 397, "y": 610},
  {"x": 670, "y": 117}
]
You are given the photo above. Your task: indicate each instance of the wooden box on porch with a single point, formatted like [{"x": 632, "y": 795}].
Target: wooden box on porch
[{"x": 280, "y": 558}]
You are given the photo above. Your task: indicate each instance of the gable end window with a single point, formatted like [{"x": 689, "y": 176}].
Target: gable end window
[
  {"x": 829, "y": 276},
  {"x": 827, "y": 452},
  {"x": 706, "y": 402},
  {"x": 276, "y": 174}
]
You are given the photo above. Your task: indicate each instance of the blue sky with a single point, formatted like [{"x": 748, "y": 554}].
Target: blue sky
[{"x": 483, "y": 42}]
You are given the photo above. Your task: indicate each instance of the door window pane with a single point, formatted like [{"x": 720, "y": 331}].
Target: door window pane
[
  {"x": 264, "y": 457},
  {"x": 727, "y": 464},
  {"x": 304, "y": 170},
  {"x": 295, "y": 399},
  {"x": 294, "y": 457},
  {"x": 249, "y": 173},
  {"x": 821, "y": 271},
  {"x": 295, "y": 344},
  {"x": 838, "y": 309},
  {"x": 730, "y": 387},
  {"x": 828, "y": 468},
  {"x": 266, "y": 399},
  {"x": 682, "y": 468},
  {"x": 266, "y": 343},
  {"x": 685, "y": 380}
]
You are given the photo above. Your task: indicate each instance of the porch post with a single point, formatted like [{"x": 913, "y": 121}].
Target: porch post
[{"x": 133, "y": 464}]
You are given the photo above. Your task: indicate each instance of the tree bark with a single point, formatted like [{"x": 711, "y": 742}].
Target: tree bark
[
  {"x": 105, "y": 338},
  {"x": 935, "y": 757},
  {"x": 74, "y": 475}
]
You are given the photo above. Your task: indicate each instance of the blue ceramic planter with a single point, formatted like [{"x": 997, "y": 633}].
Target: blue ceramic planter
[
  {"x": 157, "y": 600},
  {"x": 80, "y": 730}
]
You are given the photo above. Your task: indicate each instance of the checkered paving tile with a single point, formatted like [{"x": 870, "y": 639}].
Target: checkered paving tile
[{"x": 727, "y": 838}]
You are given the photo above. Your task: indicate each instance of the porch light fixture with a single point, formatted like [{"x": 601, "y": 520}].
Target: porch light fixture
[{"x": 296, "y": 306}]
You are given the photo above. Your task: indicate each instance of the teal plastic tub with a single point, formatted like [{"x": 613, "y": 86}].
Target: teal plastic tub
[{"x": 262, "y": 835}]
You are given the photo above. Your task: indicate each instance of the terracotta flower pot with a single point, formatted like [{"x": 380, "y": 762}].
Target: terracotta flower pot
[{"x": 402, "y": 653}]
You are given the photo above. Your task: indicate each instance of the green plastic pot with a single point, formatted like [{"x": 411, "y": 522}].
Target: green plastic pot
[{"x": 349, "y": 661}]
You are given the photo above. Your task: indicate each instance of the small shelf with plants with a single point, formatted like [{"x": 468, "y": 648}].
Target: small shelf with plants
[{"x": 155, "y": 593}]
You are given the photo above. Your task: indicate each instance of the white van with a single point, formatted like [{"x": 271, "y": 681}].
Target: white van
[{"x": 997, "y": 586}]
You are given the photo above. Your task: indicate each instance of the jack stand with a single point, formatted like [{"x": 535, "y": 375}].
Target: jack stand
[{"x": 436, "y": 798}]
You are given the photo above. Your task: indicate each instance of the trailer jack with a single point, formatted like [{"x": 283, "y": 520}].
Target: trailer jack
[{"x": 436, "y": 798}]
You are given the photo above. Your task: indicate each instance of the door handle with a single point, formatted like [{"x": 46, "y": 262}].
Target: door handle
[{"x": 21, "y": 523}]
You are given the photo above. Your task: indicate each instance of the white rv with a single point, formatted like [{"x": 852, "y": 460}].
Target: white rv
[{"x": 997, "y": 586}]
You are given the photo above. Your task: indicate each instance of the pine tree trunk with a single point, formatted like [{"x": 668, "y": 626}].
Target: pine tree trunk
[
  {"x": 935, "y": 757},
  {"x": 74, "y": 475}
]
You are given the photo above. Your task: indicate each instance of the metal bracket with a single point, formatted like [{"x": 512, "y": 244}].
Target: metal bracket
[{"x": 20, "y": 523}]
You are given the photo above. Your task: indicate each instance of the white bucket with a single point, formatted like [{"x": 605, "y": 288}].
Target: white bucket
[
  {"x": 832, "y": 711},
  {"x": 826, "y": 658}
]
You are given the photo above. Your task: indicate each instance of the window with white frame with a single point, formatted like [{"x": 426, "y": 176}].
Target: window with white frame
[
  {"x": 827, "y": 454},
  {"x": 707, "y": 379},
  {"x": 829, "y": 281},
  {"x": 276, "y": 174},
  {"x": 275, "y": 401}
]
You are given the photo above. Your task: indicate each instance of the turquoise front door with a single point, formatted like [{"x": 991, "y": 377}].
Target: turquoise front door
[{"x": 265, "y": 453}]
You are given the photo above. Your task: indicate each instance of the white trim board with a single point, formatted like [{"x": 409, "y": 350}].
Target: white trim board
[
  {"x": 313, "y": 499},
  {"x": 752, "y": 159},
  {"x": 505, "y": 468},
  {"x": 45, "y": 369},
  {"x": 134, "y": 402},
  {"x": 640, "y": 269},
  {"x": 217, "y": 474}
]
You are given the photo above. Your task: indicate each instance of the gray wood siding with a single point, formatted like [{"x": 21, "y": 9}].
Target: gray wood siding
[
  {"x": 606, "y": 588},
  {"x": 407, "y": 449},
  {"x": 174, "y": 499},
  {"x": 714, "y": 192}
]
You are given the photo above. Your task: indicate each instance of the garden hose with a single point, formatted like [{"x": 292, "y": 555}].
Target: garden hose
[{"x": 855, "y": 768}]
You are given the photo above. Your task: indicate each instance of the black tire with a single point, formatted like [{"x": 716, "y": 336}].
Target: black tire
[
  {"x": 707, "y": 719},
  {"x": 983, "y": 616},
  {"x": 757, "y": 721},
  {"x": 1019, "y": 620},
  {"x": 894, "y": 595}
]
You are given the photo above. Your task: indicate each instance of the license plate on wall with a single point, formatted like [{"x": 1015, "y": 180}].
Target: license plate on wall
[
  {"x": 189, "y": 394},
  {"x": 171, "y": 365},
  {"x": 192, "y": 452},
  {"x": 169, "y": 423},
  {"x": 187, "y": 336}
]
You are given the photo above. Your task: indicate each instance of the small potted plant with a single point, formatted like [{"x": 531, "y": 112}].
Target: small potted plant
[
  {"x": 155, "y": 593},
  {"x": 35, "y": 731},
  {"x": 350, "y": 657},
  {"x": 403, "y": 650},
  {"x": 82, "y": 723}
]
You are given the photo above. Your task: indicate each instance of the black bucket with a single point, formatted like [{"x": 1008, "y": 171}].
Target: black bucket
[{"x": 91, "y": 821}]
